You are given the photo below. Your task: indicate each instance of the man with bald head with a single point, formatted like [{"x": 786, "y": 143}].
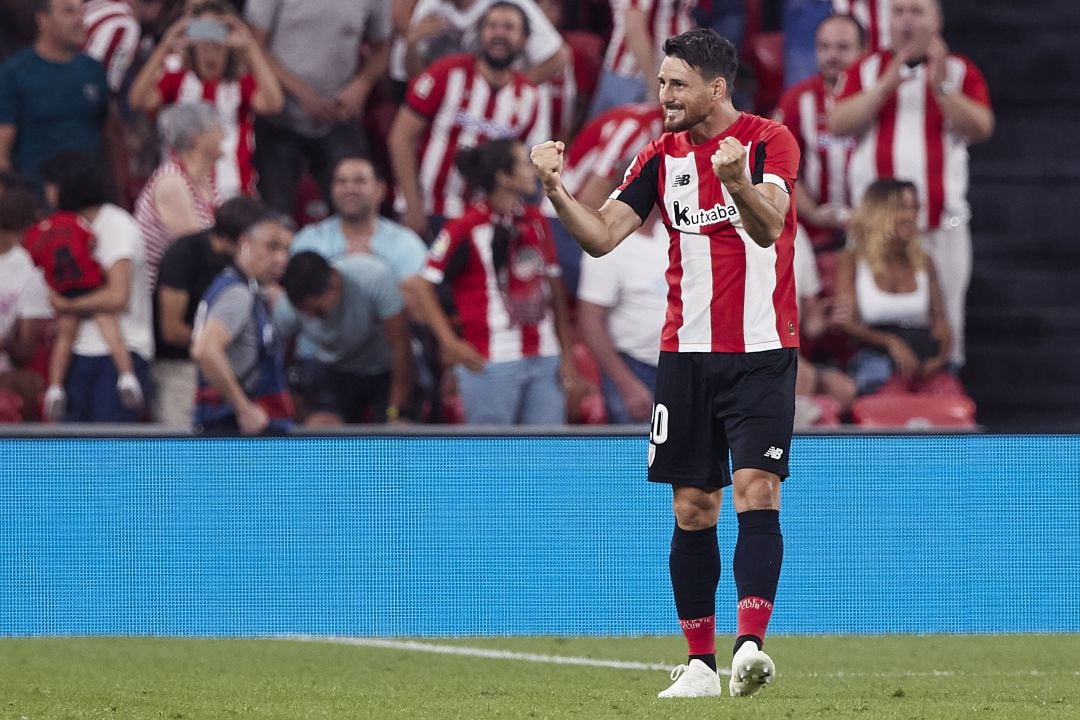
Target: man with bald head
[{"x": 913, "y": 109}]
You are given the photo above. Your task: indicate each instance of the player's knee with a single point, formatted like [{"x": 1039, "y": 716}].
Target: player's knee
[
  {"x": 756, "y": 490},
  {"x": 695, "y": 511}
]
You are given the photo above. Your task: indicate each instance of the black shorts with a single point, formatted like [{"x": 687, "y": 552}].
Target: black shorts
[
  {"x": 711, "y": 404},
  {"x": 353, "y": 397}
]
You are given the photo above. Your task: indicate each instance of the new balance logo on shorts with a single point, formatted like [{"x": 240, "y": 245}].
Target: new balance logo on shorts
[
  {"x": 681, "y": 181},
  {"x": 774, "y": 452}
]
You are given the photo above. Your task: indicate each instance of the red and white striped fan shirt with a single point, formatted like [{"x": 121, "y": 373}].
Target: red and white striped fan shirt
[
  {"x": 465, "y": 111},
  {"x": 112, "y": 37},
  {"x": 234, "y": 172},
  {"x": 725, "y": 292},
  {"x": 804, "y": 110},
  {"x": 607, "y": 144},
  {"x": 666, "y": 18},
  {"x": 506, "y": 320},
  {"x": 910, "y": 139},
  {"x": 873, "y": 15}
]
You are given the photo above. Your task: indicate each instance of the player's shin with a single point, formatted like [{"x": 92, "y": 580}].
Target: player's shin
[
  {"x": 759, "y": 553},
  {"x": 695, "y": 572}
]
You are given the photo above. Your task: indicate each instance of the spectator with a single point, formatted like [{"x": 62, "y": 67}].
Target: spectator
[
  {"x": 822, "y": 378},
  {"x": 567, "y": 93},
  {"x": 113, "y": 29},
  {"x": 314, "y": 48},
  {"x": 24, "y": 299},
  {"x": 438, "y": 28},
  {"x": 640, "y": 28},
  {"x": 180, "y": 197},
  {"x": 187, "y": 269},
  {"x": 351, "y": 313},
  {"x": 222, "y": 64},
  {"x": 92, "y": 389},
  {"x": 52, "y": 97},
  {"x": 357, "y": 192},
  {"x": 499, "y": 262},
  {"x": 622, "y": 301},
  {"x": 242, "y": 386},
  {"x": 62, "y": 246},
  {"x": 445, "y": 110},
  {"x": 873, "y": 16},
  {"x": 823, "y": 200},
  {"x": 594, "y": 164},
  {"x": 889, "y": 298},
  {"x": 914, "y": 109}
]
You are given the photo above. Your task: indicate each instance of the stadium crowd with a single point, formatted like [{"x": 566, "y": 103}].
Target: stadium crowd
[{"x": 237, "y": 216}]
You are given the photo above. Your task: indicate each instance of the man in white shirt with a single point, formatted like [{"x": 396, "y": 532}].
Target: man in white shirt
[{"x": 91, "y": 383}]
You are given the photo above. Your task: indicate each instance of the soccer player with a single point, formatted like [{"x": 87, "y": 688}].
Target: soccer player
[{"x": 726, "y": 378}]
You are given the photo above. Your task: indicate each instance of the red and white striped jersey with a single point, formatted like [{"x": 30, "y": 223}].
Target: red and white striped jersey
[
  {"x": 112, "y": 37},
  {"x": 234, "y": 172},
  {"x": 910, "y": 139},
  {"x": 804, "y": 109},
  {"x": 665, "y": 19},
  {"x": 726, "y": 293},
  {"x": 561, "y": 93},
  {"x": 873, "y": 15},
  {"x": 465, "y": 111},
  {"x": 607, "y": 144},
  {"x": 499, "y": 280}
]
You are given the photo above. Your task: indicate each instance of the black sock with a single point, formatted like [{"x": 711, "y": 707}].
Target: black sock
[
  {"x": 695, "y": 572},
  {"x": 759, "y": 554}
]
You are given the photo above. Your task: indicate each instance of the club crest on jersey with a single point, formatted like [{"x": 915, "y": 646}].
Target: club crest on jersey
[{"x": 686, "y": 215}]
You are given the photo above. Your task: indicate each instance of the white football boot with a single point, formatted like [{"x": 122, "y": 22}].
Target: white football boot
[
  {"x": 693, "y": 680},
  {"x": 130, "y": 391},
  {"x": 750, "y": 669}
]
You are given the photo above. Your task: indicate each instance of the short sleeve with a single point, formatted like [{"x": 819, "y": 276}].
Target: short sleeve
[
  {"x": 286, "y": 321},
  {"x": 177, "y": 265},
  {"x": 117, "y": 239},
  {"x": 410, "y": 253},
  {"x": 34, "y": 299},
  {"x": 776, "y": 159},
  {"x": 851, "y": 80},
  {"x": 385, "y": 293},
  {"x": 638, "y": 188},
  {"x": 974, "y": 85},
  {"x": 443, "y": 257},
  {"x": 597, "y": 285},
  {"x": 425, "y": 93},
  {"x": 232, "y": 308},
  {"x": 544, "y": 40},
  {"x": 807, "y": 277}
]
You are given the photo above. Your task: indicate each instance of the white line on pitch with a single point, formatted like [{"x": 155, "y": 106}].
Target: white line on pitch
[
  {"x": 481, "y": 652},
  {"x": 413, "y": 646}
]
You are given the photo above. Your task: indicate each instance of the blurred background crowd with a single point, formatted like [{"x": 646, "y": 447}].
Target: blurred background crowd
[{"x": 241, "y": 216}]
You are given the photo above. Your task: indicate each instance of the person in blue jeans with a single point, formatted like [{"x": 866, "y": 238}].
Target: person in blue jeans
[{"x": 513, "y": 358}]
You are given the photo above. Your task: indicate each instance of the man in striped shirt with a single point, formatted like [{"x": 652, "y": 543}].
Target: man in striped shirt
[
  {"x": 722, "y": 181},
  {"x": 112, "y": 34},
  {"x": 823, "y": 200},
  {"x": 459, "y": 102},
  {"x": 913, "y": 110}
]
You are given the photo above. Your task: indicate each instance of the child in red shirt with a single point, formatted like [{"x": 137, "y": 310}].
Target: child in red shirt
[{"x": 62, "y": 245}]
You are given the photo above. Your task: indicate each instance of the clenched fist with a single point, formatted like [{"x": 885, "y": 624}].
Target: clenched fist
[
  {"x": 729, "y": 161},
  {"x": 547, "y": 157}
]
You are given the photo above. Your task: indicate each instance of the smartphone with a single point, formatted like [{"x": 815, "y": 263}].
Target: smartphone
[{"x": 207, "y": 30}]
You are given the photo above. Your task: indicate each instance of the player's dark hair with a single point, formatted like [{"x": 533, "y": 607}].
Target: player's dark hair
[
  {"x": 526, "y": 27},
  {"x": 848, "y": 17},
  {"x": 80, "y": 180},
  {"x": 706, "y": 51},
  {"x": 307, "y": 275},
  {"x": 237, "y": 215},
  {"x": 19, "y": 207},
  {"x": 479, "y": 165}
]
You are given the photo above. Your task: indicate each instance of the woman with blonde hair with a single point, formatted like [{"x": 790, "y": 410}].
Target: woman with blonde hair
[{"x": 888, "y": 298}]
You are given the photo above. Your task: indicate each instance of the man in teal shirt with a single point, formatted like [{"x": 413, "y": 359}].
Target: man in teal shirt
[
  {"x": 355, "y": 365},
  {"x": 52, "y": 97}
]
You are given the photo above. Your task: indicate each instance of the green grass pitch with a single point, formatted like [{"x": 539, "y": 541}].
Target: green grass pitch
[{"x": 870, "y": 678}]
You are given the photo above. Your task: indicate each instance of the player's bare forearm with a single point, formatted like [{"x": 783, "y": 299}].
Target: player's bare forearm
[{"x": 761, "y": 218}]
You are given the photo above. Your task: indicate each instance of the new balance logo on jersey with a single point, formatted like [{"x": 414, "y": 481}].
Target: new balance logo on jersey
[
  {"x": 681, "y": 181},
  {"x": 684, "y": 215},
  {"x": 774, "y": 453}
]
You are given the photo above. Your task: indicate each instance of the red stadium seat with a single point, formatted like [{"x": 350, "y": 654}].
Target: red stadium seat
[
  {"x": 914, "y": 411},
  {"x": 10, "y": 407},
  {"x": 764, "y": 52}
]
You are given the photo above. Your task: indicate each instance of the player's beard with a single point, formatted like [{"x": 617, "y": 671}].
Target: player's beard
[
  {"x": 684, "y": 122},
  {"x": 499, "y": 63}
]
